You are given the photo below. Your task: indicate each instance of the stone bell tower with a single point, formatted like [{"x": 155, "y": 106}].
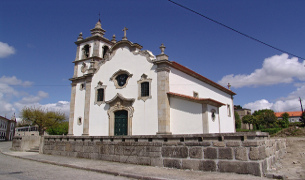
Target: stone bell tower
[{"x": 89, "y": 52}]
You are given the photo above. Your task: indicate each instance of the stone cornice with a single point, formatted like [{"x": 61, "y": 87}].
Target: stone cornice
[
  {"x": 118, "y": 96},
  {"x": 197, "y": 100},
  {"x": 94, "y": 38},
  {"x": 94, "y": 58},
  {"x": 87, "y": 77},
  {"x": 122, "y": 43}
]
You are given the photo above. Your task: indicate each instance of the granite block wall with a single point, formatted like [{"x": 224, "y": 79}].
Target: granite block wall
[{"x": 244, "y": 153}]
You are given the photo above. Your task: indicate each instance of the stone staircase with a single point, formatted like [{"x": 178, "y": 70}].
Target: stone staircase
[{"x": 34, "y": 149}]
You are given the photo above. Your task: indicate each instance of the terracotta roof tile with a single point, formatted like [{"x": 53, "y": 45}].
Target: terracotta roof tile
[{"x": 291, "y": 113}]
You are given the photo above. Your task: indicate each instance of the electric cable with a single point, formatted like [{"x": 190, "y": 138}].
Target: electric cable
[{"x": 228, "y": 27}]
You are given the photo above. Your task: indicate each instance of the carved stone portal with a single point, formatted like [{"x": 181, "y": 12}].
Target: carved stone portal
[{"x": 116, "y": 104}]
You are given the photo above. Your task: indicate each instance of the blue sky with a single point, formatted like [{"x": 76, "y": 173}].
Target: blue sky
[{"x": 37, "y": 46}]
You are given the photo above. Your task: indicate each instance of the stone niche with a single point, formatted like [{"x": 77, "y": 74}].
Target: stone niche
[{"x": 244, "y": 153}]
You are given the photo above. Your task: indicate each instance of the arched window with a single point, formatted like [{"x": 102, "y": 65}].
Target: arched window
[
  {"x": 86, "y": 51},
  {"x": 105, "y": 50}
]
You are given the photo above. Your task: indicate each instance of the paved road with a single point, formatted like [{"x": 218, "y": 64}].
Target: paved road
[{"x": 19, "y": 169}]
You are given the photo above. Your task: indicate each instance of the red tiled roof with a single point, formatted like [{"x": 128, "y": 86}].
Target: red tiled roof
[
  {"x": 198, "y": 100},
  {"x": 200, "y": 77},
  {"x": 291, "y": 114}
]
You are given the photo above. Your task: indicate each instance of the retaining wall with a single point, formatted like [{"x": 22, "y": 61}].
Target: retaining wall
[
  {"x": 25, "y": 143},
  {"x": 244, "y": 153}
]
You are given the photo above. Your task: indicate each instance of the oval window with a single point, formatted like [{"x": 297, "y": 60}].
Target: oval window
[{"x": 121, "y": 79}]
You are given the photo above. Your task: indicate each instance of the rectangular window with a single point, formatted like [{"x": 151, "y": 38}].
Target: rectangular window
[
  {"x": 100, "y": 95},
  {"x": 145, "y": 89},
  {"x": 229, "y": 110}
]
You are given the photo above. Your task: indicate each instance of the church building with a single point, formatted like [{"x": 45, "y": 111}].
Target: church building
[{"x": 120, "y": 89}]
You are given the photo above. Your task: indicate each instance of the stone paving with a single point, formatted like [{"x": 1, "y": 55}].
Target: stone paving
[{"x": 121, "y": 169}]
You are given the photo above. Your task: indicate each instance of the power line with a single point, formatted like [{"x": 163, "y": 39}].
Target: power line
[{"x": 228, "y": 27}]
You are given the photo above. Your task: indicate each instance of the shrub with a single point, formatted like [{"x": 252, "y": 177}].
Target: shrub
[
  {"x": 271, "y": 130},
  {"x": 237, "y": 121}
]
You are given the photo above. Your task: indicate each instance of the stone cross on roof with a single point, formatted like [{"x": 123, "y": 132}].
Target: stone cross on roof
[{"x": 125, "y": 29}]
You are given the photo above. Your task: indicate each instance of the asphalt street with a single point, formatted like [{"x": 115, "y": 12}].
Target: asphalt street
[{"x": 12, "y": 168}]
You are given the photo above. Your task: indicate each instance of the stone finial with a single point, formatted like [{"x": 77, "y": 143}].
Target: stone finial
[
  {"x": 229, "y": 86},
  {"x": 98, "y": 30},
  {"x": 98, "y": 24},
  {"x": 162, "y": 56},
  {"x": 80, "y": 37},
  {"x": 113, "y": 39},
  {"x": 162, "y": 47},
  {"x": 125, "y": 37}
]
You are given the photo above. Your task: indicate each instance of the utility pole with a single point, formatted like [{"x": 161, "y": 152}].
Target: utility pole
[{"x": 301, "y": 104}]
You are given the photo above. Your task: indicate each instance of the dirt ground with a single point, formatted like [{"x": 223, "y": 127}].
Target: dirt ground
[{"x": 293, "y": 163}]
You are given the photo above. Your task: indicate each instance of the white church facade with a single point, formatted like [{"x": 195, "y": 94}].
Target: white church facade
[{"x": 120, "y": 89}]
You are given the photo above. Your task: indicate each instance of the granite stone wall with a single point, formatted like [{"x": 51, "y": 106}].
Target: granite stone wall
[{"x": 243, "y": 153}]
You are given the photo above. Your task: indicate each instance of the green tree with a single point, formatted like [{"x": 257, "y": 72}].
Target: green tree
[
  {"x": 237, "y": 121},
  {"x": 43, "y": 118},
  {"x": 265, "y": 117},
  {"x": 248, "y": 119},
  {"x": 284, "y": 122},
  {"x": 59, "y": 129}
]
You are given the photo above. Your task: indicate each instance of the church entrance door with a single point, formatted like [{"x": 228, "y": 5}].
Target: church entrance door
[{"x": 120, "y": 123}]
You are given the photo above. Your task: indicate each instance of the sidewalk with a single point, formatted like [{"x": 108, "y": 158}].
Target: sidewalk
[{"x": 120, "y": 169}]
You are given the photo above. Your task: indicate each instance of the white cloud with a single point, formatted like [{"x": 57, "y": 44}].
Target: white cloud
[
  {"x": 289, "y": 103},
  {"x": 259, "y": 104},
  {"x": 61, "y": 106},
  {"x": 276, "y": 69},
  {"x": 14, "y": 81},
  {"x": 13, "y": 100},
  {"x": 6, "y": 50},
  {"x": 34, "y": 99}
]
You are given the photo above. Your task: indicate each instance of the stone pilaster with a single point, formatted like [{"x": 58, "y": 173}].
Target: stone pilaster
[
  {"x": 75, "y": 70},
  {"x": 87, "y": 107},
  {"x": 96, "y": 48},
  {"x": 163, "y": 71},
  {"x": 72, "y": 108},
  {"x": 75, "y": 64},
  {"x": 77, "y": 53}
]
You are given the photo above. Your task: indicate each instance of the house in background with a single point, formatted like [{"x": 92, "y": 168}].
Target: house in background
[
  {"x": 242, "y": 112},
  {"x": 294, "y": 116},
  {"x": 7, "y": 128},
  {"x": 120, "y": 89},
  {"x": 27, "y": 131}
]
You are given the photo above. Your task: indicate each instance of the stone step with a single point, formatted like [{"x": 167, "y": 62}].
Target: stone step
[{"x": 33, "y": 149}]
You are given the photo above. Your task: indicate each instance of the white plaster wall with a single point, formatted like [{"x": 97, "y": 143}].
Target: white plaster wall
[
  {"x": 185, "y": 117},
  {"x": 213, "y": 124},
  {"x": 79, "y": 110},
  {"x": 185, "y": 84},
  {"x": 145, "y": 117}
]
